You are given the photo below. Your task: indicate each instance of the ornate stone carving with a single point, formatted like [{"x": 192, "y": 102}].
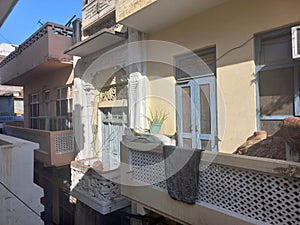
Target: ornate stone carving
[
  {"x": 108, "y": 95},
  {"x": 93, "y": 189}
]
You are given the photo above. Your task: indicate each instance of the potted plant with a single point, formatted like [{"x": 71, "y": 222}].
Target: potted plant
[{"x": 155, "y": 120}]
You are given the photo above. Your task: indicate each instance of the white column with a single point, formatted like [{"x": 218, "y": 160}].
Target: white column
[{"x": 137, "y": 80}]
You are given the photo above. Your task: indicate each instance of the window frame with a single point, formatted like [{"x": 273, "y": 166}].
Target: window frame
[
  {"x": 59, "y": 100},
  {"x": 286, "y": 64},
  {"x": 34, "y": 104},
  {"x": 198, "y": 53},
  {"x": 193, "y": 83},
  {"x": 47, "y": 93}
]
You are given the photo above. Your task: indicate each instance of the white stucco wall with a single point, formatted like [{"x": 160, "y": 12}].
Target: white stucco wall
[{"x": 16, "y": 174}]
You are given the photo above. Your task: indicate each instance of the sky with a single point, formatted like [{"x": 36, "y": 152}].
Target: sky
[{"x": 23, "y": 20}]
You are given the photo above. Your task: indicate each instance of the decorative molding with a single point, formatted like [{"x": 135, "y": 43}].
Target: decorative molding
[{"x": 93, "y": 189}]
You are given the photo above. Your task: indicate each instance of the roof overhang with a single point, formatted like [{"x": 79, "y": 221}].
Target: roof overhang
[
  {"x": 96, "y": 42},
  {"x": 5, "y": 8},
  {"x": 44, "y": 69},
  {"x": 163, "y": 13}
]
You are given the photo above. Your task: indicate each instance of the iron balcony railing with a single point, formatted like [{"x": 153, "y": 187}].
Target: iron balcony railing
[{"x": 52, "y": 123}]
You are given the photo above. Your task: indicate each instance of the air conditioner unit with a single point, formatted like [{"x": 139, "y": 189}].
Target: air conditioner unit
[{"x": 296, "y": 42}]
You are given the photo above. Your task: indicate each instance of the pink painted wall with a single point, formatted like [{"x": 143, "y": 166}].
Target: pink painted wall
[{"x": 47, "y": 80}]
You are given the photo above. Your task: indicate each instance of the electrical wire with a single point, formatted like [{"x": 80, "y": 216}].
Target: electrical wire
[
  {"x": 17, "y": 197},
  {"x": 235, "y": 48}
]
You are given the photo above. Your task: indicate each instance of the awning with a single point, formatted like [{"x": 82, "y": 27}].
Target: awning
[{"x": 96, "y": 42}]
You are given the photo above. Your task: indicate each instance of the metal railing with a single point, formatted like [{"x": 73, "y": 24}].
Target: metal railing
[
  {"x": 52, "y": 123},
  {"x": 5, "y": 119}
]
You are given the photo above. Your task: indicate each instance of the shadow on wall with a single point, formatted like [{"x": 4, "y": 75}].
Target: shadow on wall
[{"x": 78, "y": 129}]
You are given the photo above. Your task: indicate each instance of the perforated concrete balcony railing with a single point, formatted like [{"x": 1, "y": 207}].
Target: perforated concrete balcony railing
[
  {"x": 56, "y": 147},
  {"x": 231, "y": 190},
  {"x": 100, "y": 190},
  {"x": 46, "y": 45}
]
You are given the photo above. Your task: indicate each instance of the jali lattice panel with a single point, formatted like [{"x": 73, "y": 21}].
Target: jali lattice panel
[
  {"x": 262, "y": 197},
  {"x": 64, "y": 143}
]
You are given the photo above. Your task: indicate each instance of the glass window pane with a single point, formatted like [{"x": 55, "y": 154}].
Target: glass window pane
[
  {"x": 271, "y": 126},
  {"x": 34, "y": 110},
  {"x": 197, "y": 64},
  {"x": 64, "y": 92},
  {"x": 276, "y": 92},
  {"x": 187, "y": 143},
  {"x": 186, "y": 110},
  {"x": 58, "y": 108},
  {"x": 47, "y": 96},
  {"x": 276, "y": 50},
  {"x": 42, "y": 123},
  {"x": 34, "y": 123},
  {"x": 205, "y": 109},
  {"x": 64, "y": 108},
  {"x": 206, "y": 145}
]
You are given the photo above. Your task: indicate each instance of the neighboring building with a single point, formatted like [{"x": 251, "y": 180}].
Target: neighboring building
[
  {"x": 11, "y": 97},
  {"x": 11, "y": 104},
  {"x": 6, "y": 49},
  {"x": 20, "y": 197},
  {"x": 46, "y": 73}
]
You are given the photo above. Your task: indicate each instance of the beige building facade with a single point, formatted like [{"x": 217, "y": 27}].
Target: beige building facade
[
  {"x": 233, "y": 29},
  {"x": 221, "y": 70}
]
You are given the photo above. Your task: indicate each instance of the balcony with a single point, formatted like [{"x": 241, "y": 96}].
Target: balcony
[
  {"x": 152, "y": 15},
  {"x": 56, "y": 147},
  {"x": 44, "y": 50},
  {"x": 95, "y": 11},
  {"x": 99, "y": 190},
  {"x": 105, "y": 34},
  {"x": 231, "y": 189}
]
